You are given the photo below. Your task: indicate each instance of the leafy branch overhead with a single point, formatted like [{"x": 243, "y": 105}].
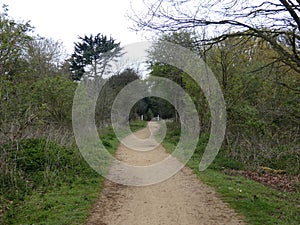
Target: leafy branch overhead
[{"x": 92, "y": 56}]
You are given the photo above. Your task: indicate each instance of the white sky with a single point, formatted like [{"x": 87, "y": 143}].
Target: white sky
[{"x": 65, "y": 20}]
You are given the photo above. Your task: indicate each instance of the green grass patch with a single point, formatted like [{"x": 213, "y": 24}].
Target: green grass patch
[
  {"x": 66, "y": 204},
  {"x": 257, "y": 203},
  {"x": 69, "y": 193}
]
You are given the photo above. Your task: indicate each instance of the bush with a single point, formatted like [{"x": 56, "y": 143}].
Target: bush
[
  {"x": 40, "y": 154},
  {"x": 37, "y": 163}
]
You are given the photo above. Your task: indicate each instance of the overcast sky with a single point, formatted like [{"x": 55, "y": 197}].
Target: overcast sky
[{"x": 64, "y": 20}]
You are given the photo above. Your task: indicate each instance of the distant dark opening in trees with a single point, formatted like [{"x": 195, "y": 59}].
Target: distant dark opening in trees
[{"x": 150, "y": 108}]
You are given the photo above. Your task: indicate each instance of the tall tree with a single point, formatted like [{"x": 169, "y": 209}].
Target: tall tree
[
  {"x": 158, "y": 69},
  {"x": 92, "y": 56},
  {"x": 14, "y": 37}
]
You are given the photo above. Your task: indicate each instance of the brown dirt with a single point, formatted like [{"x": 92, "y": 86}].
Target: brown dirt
[
  {"x": 181, "y": 200},
  {"x": 281, "y": 182}
]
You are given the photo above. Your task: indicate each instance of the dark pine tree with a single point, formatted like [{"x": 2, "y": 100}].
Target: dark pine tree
[{"x": 94, "y": 51}]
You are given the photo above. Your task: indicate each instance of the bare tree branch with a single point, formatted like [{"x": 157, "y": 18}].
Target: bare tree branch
[
  {"x": 292, "y": 12},
  {"x": 276, "y": 22}
]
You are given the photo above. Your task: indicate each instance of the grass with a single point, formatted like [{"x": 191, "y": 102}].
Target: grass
[
  {"x": 257, "y": 203},
  {"x": 70, "y": 202},
  {"x": 66, "y": 201},
  {"x": 67, "y": 204}
]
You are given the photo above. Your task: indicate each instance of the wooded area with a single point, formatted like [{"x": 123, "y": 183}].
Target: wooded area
[
  {"x": 253, "y": 50},
  {"x": 37, "y": 85},
  {"x": 251, "y": 47}
]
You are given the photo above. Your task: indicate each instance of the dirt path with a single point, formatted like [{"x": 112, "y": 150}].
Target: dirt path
[{"x": 181, "y": 200}]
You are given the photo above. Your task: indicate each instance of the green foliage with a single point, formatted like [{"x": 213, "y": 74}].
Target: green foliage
[
  {"x": 41, "y": 169},
  {"x": 45, "y": 57},
  {"x": 161, "y": 107},
  {"x": 46, "y": 102},
  {"x": 137, "y": 125},
  {"x": 14, "y": 38},
  {"x": 66, "y": 204},
  {"x": 141, "y": 106},
  {"x": 151, "y": 107},
  {"x": 149, "y": 115},
  {"x": 54, "y": 98},
  {"x": 37, "y": 163},
  {"x": 32, "y": 96},
  {"x": 282, "y": 157},
  {"x": 261, "y": 101},
  {"x": 222, "y": 160},
  {"x": 95, "y": 51},
  {"x": 173, "y": 133},
  {"x": 257, "y": 203},
  {"x": 36, "y": 155},
  {"x": 110, "y": 91},
  {"x": 68, "y": 196}
]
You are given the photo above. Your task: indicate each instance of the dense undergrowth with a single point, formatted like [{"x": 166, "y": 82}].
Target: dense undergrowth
[
  {"x": 51, "y": 183},
  {"x": 282, "y": 159}
]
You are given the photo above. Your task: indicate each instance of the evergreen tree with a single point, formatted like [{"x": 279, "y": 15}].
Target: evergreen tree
[{"x": 92, "y": 56}]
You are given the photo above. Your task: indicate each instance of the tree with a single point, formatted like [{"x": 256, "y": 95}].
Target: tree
[
  {"x": 109, "y": 93},
  {"x": 45, "y": 56},
  {"x": 25, "y": 63},
  {"x": 53, "y": 97},
  {"x": 92, "y": 56},
  {"x": 161, "y": 107},
  {"x": 255, "y": 103},
  {"x": 276, "y": 22},
  {"x": 14, "y": 37},
  {"x": 141, "y": 107},
  {"x": 158, "y": 69}
]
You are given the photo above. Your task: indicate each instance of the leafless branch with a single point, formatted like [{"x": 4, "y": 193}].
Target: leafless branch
[{"x": 277, "y": 23}]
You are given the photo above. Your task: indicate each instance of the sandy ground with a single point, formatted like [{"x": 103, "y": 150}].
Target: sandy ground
[{"x": 180, "y": 200}]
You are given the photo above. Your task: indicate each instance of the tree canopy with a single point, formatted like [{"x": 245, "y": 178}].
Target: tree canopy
[
  {"x": 275, "y": 22},
  {"x": 92, "y": 56},
  {"x": 14, "y": 38}
]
